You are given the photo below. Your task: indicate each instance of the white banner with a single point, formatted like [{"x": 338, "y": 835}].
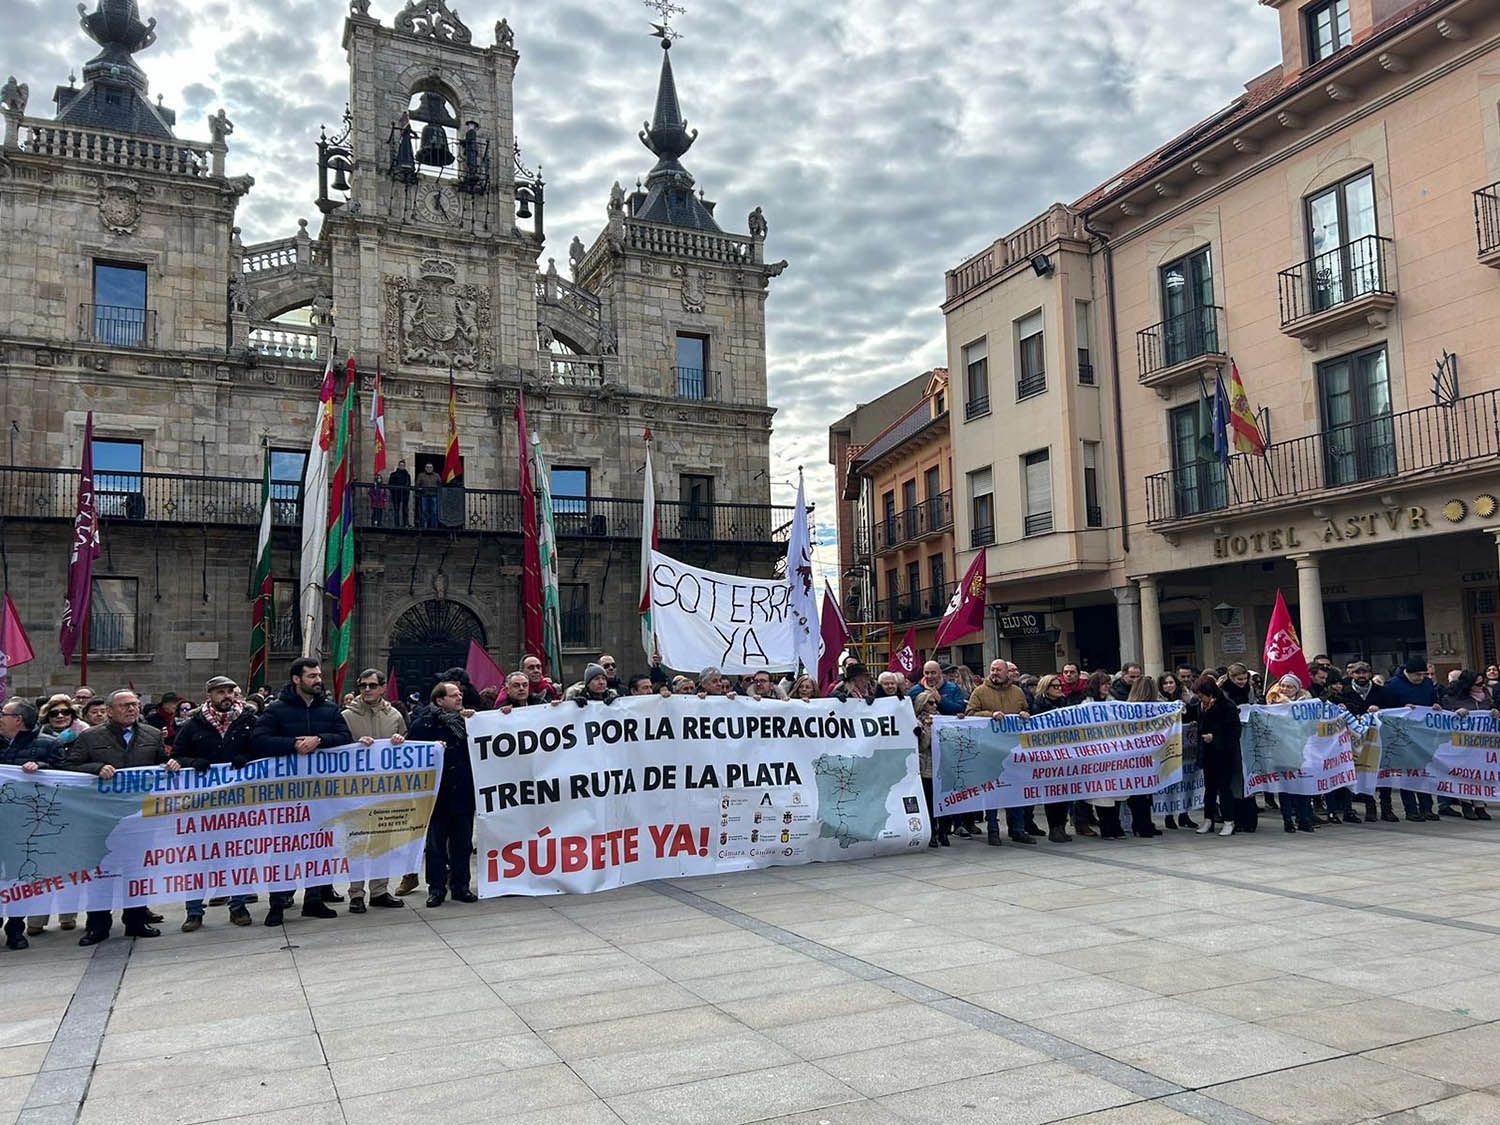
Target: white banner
[
  {"x": 1424, "y": 750},
  {"x": 71, "y": 841},
  {"x": 575, "y": 799},
  {"x": 704, "y": 619},
  {"x": 1308, "y": 748}
]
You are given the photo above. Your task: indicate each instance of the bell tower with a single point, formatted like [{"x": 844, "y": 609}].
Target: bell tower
[{"x": 433, "y": 226}]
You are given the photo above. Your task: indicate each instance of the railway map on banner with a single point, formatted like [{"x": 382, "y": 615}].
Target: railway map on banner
[
  {"x": 576, "y": 799},
  {"x": 71, "y": 841}
]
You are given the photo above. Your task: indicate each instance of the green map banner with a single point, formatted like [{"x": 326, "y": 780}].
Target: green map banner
[
  {"x": 572, "y": 799},
  {"x": 71, "y": 841}
]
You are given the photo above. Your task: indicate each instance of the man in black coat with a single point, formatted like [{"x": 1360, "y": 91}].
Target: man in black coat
[
  {"x": 22, "y": 744},
  {"x": 300, "y": 721},
  {"x": 400, "y": 485},
  {"x": 450, "y": 833},
  {"x": 217, "y": 734}
]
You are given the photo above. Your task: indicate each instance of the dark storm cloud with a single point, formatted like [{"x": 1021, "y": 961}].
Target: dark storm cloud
[{"x": 886, "y": 141}]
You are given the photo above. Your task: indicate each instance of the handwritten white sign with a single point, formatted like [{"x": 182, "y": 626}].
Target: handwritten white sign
[{"x": 704, "y": 619}]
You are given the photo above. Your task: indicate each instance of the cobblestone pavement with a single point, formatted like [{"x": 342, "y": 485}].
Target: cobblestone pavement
[{"x": 1345, "y": 976}]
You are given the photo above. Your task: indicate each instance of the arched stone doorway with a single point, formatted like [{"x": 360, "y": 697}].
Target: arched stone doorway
[{"x": 428, "y": 639}]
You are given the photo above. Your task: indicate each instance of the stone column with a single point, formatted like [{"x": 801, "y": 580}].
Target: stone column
[
  {"x": 1128, "y": 611},
  {"x": 1151, "y": 654},
  {"x": 1310, "y": 605}
]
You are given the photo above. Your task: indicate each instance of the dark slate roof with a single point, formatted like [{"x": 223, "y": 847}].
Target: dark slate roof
[
  {"x": 669, "y": 194},
  {"x": 114, "y": 90}
]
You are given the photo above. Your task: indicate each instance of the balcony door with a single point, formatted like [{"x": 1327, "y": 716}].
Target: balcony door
[
  {"x": 1340, "y": 233},
  {"x": 696, "y": 492},
  {"x": 1187, "y": 298},
  {"x": 1197, "y": 476},
  {"x": 1359, "y": 437},
  {"x": 909, "y": 508}
]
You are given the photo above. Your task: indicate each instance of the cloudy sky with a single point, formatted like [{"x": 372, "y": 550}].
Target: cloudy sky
[{"x": 886, "y": 141}]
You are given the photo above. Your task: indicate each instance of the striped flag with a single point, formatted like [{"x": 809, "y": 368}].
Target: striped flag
[
  {"x": 1242, "y": 423},
  {"x": 314, "y": 553},
  {"x": 533, "y": 640},
  {"x": 340, "y": 572},
  {"x": 377, "y": 418},
  {"x": 262, "y": 588},
  {"x": 648, "y": 544},
  {"x": 547, "y": 557},
  {"x": 453, "y": 461}
]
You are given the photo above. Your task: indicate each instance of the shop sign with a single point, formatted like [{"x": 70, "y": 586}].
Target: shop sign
[
  {"x": 1023, "y": 624},
  {"x": 1383, "y": 522}
]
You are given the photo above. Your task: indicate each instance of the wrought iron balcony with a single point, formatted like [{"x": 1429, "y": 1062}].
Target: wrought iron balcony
[
  {"x": 1343, "y": 286},
  {"x": 119, "y": 326},
  {"x": 169, "y": 499},
  {"x": 1038, "y": 523},
  {"x": 695, "y": 383},
  {"x": 927, "y": 518},
  {"x": 1487, "y": 224},
  {"x": 1181, "y": 346},
  {"x": 1032, "y": 384},
  {"x": 982, "y": 536},
  {"x": 976, "y": 407},
  {"x": 1085, "y": 368},
  {"x": 914, "y": 605},
  {"x": 1343, "y": 458}
]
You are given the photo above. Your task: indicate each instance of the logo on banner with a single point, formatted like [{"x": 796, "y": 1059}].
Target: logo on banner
[{"x": 1282, "y": 645}]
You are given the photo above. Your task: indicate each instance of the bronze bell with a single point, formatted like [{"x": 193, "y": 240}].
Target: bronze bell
[
  {"x": 340, "y": 167},
  {"x": 523, "y": 198},
  {"x": 433, "y": 149}
]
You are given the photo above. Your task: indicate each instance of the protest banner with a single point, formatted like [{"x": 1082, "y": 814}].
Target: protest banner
[
  {"x": 578, "y": 799},
  {"x": 1094, "y": 751},
  {"x": 71, "y": 841},
  {"x": 1306, "y": 748},
  {"x": 1186, "y": 794},
  {"x": 1424, "y": 750},
  {"x": 704, "y": 619}
]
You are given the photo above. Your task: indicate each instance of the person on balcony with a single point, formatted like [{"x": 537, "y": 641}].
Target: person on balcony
[
  {"x": 428, "y": 483},
  {"x": 379, "y": 497},
  {"x": 400, "y": 484}
]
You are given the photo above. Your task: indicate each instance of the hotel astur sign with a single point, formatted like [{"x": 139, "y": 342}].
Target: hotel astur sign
[{"x": 1322, "y": 531}]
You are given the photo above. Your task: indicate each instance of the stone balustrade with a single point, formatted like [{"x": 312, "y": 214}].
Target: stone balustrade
[{"x": 116, "y": 150}]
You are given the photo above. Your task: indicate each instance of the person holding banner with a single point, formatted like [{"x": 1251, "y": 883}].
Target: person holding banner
[
  {"x": 1467, "y": 693},
  {"x": 925, "y": 706},
  {"x": 1296, "y": 808},
  {"x": 1141, "y": 825},
  {"x": 28, "y": 747},
  {"x": 1052, "y": 693},
  {"x": 996, "y": 698},
  {"x": 371, "y": 717},
  {"x": 450, "y": 832},
  {"x": 1219, "y": 749}
]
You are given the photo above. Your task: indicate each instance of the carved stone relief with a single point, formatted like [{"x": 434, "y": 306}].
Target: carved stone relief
[
  {"x": 120, "y": 204},
  {"x": 433, "y": 320}
]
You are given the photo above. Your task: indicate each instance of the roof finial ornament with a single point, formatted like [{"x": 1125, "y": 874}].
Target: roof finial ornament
[{"x": 664, "y": 30}]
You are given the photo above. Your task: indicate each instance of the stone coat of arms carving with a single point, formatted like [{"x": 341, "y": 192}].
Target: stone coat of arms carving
[
  {"x": 120, "y": 204},
  {"x": 694, "y": 288},
  {"x": 434, "y": 321}
]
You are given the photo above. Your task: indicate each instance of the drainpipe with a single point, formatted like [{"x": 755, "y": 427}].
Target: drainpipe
[{"x": 1114, "y": 364}]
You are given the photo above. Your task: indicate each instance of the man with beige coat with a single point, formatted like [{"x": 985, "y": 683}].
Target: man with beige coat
[{"x": 371, "y": 718}]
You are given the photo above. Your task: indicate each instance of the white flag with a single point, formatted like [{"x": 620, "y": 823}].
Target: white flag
[
  {"x": 314, "y": 554},
  {"x": 804, "y": 603}
]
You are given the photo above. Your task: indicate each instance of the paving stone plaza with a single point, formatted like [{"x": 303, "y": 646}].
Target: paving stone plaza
[{"x": 1340, "y": 977}]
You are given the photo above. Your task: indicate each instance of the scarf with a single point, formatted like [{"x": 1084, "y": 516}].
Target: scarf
[{"x": 221, "y": 720}]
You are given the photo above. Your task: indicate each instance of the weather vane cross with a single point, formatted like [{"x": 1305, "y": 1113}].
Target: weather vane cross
[{"x": 666, "y": 10}]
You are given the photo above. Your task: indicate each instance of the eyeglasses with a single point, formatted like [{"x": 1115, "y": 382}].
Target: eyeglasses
[
  {"x": 55, "y": 714},
  {"x": 609, "y": 664},
  {"x": 368, "y": 686}
]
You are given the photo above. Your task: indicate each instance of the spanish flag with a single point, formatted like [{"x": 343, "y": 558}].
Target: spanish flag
[
  {"x": 453, "y": 461},
  {"x": 1247, "y": 435}
]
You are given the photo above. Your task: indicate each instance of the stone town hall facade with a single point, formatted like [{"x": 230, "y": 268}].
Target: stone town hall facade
[{"x": 126, "y": 290}]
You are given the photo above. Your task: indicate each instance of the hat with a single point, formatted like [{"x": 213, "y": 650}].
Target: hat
[
  {"x": 1361, "y": 666},
  {"x": 854, "y": 669},
  {"x": 1416, "y": 667},
  {"x": 594, "y": 669},
  {"x": 169, "y": 697},
  {"x": 218, "y": 682}
]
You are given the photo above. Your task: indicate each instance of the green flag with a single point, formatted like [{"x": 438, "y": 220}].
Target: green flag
[
  {"x": 547, "y": 550},
  {"x": 262, "y": 589}
]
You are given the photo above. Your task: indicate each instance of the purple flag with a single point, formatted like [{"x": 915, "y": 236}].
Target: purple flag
[{"x": 75, "y": 614}]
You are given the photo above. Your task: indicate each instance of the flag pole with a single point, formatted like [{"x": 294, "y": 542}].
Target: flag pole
[{"x": 83, "y": 663}]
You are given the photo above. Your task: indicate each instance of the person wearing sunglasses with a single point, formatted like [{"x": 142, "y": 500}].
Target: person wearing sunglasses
[
  {"x": 60, "y": 719},
  {"x": 371, "y": 717}
]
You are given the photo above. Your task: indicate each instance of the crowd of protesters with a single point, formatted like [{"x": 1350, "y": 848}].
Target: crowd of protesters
[{"x": 87, "y": 733}]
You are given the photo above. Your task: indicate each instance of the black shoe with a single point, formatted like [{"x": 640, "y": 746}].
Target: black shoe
[
  {"x": 993, "y": 838},
  {"x": 1352, "y": 817},
  {"x": 1170, "y": 823},
  {"x": 1288, "y": 826},
  {"x": 1271, "y": 801},
  {"x": 1431, "y": 816},
  {"x": 1334, "y": 818},
  {"x": 962, "y": 831},
  {"x": 1481, "y": 813},
  {"x": 932, "y": 842},
  {"x": 944, "y": 842},
  {"x": 331, "y": 895},
  {"x": 1022, "y": 838},
  {"x": 153, "y": 916},
  {"x": 92, "y": 937},
  {"x": 143, "y": 931},
  {"x": 1112, "y": 833},
  {"x": 434, "y": 901},
  {"x": 387, "y": 900},
  {"x": 464, "y": 895},
  {"x": 17, "y": 942},
  {"x": 1389, "y": 816},
  {"x": 1470, "y": 814},
  {"x": 1307, "y": 826},
  {"x": 1033, "y": 830},
  {"x": 1449, "y": 810},
  {"x": 357, "y": 906},
  {"x": 317, "y": 909},
  {"x": 1185, "y": 821},
  {"x": 273, "y": 916}
]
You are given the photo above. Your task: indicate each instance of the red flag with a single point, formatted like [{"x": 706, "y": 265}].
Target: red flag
[
  {"x": 533, "y": 640},
  {"x": 833, "y": 636},
  {"x": 904, "y": 659},
  {"x": 483, "y": 672},
  {"x": 75, "y": 614},
  {"x": 1242, "y": 423},
  {"x": 15, "y": 647},
  {"x": 453, "y": 461},
  {"x": 965, "y": 612},
  {"x": 1283, "y": 652},
  {"x": 392, "y": 692},
  {"x": 377, "y": 417}
]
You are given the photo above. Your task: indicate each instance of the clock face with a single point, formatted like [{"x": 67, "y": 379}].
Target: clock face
[{"x": 438, "y": 203}]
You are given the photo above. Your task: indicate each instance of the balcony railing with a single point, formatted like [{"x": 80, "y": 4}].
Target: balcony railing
[
  {"x": 976, "y": 407},
  {"x": 580, "y": 629},
  {"x": 112, "y": 632},
  {"x": 119, "y": 326},
  {"x": 1429, "y": 438},
  {"x": 1032, "y": 384},
  {"x": 981, "y": 536},
  {"x": 927, "y": 518},
  {"x": 1487, "y": 223},
  {"x": 285, "y": 341},
  {"x": 117, "y": 151},
  {"x": 1038, "y": 523},
  {"x": 1085, "y": 368},
  {"x": 1177, "y": 341},
  {"x": 1338, "y": 277},
  {"x": 172, "y": 499},
  {"x": 914, "y": 605},
  {"x": 693, "y": 383}
]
